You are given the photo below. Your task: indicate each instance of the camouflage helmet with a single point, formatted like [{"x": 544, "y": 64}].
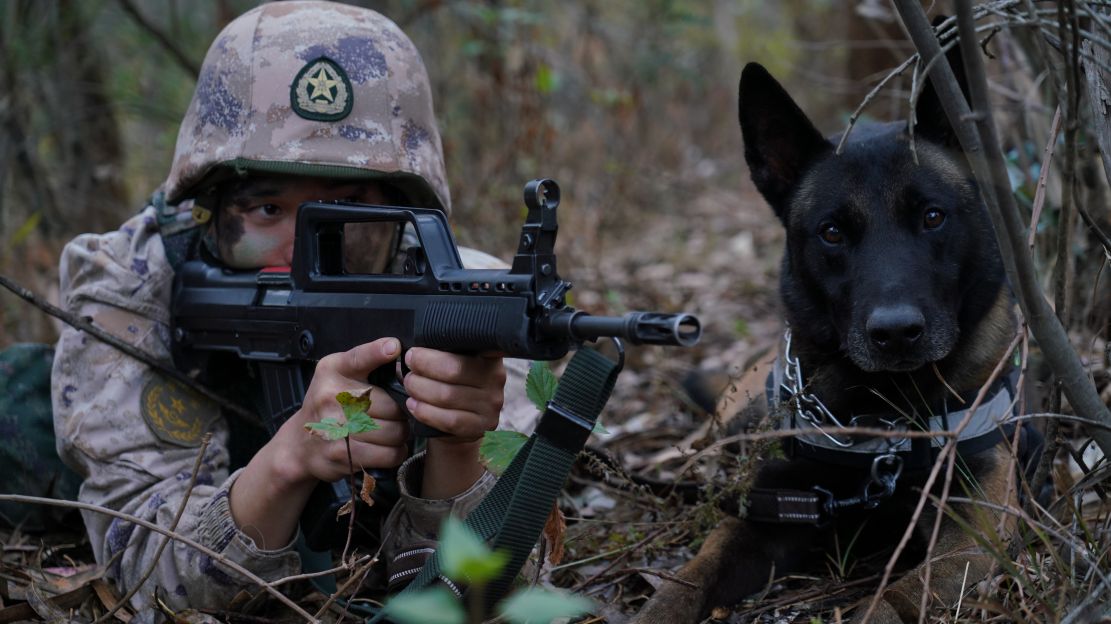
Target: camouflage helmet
[{"x": 311, "y": 88}]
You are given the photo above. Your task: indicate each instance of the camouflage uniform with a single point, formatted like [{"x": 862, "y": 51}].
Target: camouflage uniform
[{"x": 309, "y": 88}]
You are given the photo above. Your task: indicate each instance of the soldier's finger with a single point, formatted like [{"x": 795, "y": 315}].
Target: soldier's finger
[
  {"x": 454, "y": 396},
  {"x": 365, "y": 455},
  {"x": 358, "y": 362},
  {"x": 468, "y": 370},
  {"x": 458, "y": 423}
]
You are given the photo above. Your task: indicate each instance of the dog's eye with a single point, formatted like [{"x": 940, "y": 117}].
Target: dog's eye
[
  {"x": 933, "y": 219},
  {"x": 831, "y": 234}
]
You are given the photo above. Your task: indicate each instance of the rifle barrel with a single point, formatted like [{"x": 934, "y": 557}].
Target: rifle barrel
[{"x": 682, "y": 330}]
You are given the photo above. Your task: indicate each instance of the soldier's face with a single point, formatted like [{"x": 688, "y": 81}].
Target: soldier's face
[{"x": 256, "y": 221}]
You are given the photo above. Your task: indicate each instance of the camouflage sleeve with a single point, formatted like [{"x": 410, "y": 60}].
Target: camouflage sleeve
[{"x": 134, "y": 436}]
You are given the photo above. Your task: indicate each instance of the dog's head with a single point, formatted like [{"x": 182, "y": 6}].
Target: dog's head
[{"x": 887, "y": 259}]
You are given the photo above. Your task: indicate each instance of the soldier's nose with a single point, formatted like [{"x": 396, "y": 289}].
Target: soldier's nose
[{"x": 895, "y": 328}]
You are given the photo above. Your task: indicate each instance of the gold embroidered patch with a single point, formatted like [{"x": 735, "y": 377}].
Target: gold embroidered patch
[
  {"x": 175, "y": 413},
  {"x": 321, "y": 91}
]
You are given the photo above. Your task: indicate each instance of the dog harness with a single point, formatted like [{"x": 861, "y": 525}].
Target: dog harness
[{"x": 885, "y": 457}]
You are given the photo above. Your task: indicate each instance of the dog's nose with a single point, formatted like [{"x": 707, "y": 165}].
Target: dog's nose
[{"x": 895, "y": 328}]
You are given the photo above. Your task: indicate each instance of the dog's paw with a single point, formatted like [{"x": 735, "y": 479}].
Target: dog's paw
[{"x": 671, "y": 604}]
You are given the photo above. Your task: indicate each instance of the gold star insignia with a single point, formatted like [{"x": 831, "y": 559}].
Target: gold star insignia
[{"x": 322, "y": 85}]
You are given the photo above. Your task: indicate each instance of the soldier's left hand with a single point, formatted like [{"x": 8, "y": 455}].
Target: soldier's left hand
[{"x": 461, "y": 395}]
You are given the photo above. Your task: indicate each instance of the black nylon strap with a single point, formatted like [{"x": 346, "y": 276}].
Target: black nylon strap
[
  {"x": 784, "y": 506},
  {"x": 513, "y": 514}
]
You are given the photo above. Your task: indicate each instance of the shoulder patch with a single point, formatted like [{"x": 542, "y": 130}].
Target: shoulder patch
[
  {"x": 321, "y": 91},
  {"x": 176, "y": 414}
]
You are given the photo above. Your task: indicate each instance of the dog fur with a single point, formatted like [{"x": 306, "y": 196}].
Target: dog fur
[{"x": 891, "y": 282}]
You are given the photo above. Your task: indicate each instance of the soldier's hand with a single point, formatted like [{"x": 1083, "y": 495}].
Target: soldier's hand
[
  {"x": 460, "y": 395},
  {"x": 327, "y": 460}
]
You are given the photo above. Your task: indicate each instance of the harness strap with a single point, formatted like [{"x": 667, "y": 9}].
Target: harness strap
[
  {"x": 784, "y": 506},
  {"x": 513, "y": 514}
]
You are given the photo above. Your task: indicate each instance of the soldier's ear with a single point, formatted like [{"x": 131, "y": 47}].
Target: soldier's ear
[
  {"x": 931, "y": 122},
  {"x": 780, "y": 141}
]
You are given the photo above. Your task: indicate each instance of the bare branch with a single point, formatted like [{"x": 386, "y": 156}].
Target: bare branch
[
  {"x": 86, "y": 326},
  {"x": 172, "y": 48}
]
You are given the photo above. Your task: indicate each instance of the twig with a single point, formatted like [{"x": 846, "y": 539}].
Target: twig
[
  {"x": 1043, "y": 177},
  {"x": 166, "y": 539},
  {"x": 355, "y": 576},
  {"x": 776, "y": 434},
  {"x": 311, "y": 575},
  {"x": 178, "y": 55},
  {"x": 351, "y": 487},
  {"x": 251, "y": 576},
  {"x": 871, "y": 96},
  {"x": 85, "y": 325},
  {"x": 620, "y": 558},
  {"x": 667, "y": 576},
  {"x": 990, "y": 172}
]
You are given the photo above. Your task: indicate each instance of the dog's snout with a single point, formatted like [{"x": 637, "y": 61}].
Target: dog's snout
[{"x": 895, "y": 328}]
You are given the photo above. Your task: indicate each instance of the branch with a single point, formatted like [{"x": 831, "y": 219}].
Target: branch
[
  {"x": 991, "y": 176},
  {"x": 86, "y": 326},
  {"x": 146, "y": 524},
  {"x": 178, "y": 55}
]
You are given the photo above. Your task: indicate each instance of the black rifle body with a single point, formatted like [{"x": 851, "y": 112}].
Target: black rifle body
[{"x": 286, "y": 319}]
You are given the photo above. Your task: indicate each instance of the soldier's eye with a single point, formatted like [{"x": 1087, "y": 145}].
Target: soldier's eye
[
  {"x": 831, "y": 234},
  {"x": 933, "y": 219},
  {"x": 270, "y": 210}
]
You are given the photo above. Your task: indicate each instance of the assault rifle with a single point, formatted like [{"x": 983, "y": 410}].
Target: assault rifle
[{"x": 283, "y": 320}]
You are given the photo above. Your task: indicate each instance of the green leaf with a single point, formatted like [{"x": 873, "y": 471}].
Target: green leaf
[
  {"x": 430, "y": 606},
  {"x": 540, "y": 385},
  {"x": 353, "y": 405},
  {"x": 330, "y": 428},
  {"x": 546, "y": 79},
  {"x": 361, "y": 423},
  {"x": 599, "y": 429},
  {"x": 498, "y": 449},
  {"x": 537, "y": 606},
  {"x": 25, "y": 230},
  {"x": 465, "y": 557}
]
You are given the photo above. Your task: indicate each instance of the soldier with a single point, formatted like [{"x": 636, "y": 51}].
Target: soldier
[{"x": 296, "y": 101}]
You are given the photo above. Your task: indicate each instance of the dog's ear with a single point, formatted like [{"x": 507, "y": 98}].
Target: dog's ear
[
  {"x": 780, "y": 141},
  {"x": 932, "y": 124}
]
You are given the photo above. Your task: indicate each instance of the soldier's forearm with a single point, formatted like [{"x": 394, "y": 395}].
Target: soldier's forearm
[
  {"x": 450, "y": 468},
  {"x": 265, "y": 503}
]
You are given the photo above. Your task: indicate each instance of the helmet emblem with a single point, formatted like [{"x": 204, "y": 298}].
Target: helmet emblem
[{"x": 321, "y": 91}]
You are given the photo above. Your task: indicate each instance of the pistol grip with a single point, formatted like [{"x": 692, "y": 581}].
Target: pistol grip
[{"x": 387, "y": 378}]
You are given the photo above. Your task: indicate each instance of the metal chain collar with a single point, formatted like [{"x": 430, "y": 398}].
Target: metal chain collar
[{"x": 886, "y": 467}]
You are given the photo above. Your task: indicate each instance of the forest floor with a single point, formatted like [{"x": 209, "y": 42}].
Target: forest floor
[{"x": 632, "y": 516}]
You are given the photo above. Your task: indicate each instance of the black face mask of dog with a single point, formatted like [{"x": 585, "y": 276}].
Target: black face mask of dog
[{"x": 887, "y": 258}]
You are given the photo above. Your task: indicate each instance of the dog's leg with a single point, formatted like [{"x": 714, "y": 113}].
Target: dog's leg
[
  {"x": 957, "y": 561},
  {"x": 736, "y": 560}
]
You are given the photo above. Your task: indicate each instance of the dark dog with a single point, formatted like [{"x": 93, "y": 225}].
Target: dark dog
[{"x": 898, "y": 312}]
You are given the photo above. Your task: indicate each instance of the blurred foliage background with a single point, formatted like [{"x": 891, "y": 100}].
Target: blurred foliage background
[{"x": 629, "y": 104}]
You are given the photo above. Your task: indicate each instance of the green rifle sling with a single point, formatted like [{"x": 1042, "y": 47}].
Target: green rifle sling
[{"x": 513, "y": 514}]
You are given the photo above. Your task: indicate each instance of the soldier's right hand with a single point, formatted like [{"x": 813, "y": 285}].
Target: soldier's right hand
[{"x": 310, "y": 457}]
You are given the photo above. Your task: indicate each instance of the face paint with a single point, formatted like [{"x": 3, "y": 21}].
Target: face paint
[{"x": 257, "y": 220}]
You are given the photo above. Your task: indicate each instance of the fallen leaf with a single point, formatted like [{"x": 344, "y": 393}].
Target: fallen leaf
[
  {"x": 554, "y": 529},
  {"x": 346, "y": 509},
  {"x": 109, "y": 598},
  {"x": 368, "y": 487}
]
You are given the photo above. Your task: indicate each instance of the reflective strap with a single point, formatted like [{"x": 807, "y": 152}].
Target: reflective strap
[{"x": 784, "y": 506}]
